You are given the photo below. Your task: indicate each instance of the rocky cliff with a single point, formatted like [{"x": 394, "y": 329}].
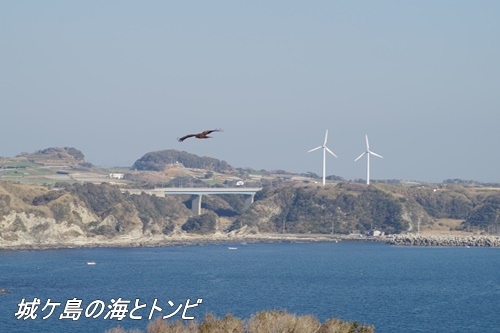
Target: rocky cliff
[
  {"x": 84, "y": 215},
  {"x": 101, "y": 215},
  {"x": 343, "y": 208}
]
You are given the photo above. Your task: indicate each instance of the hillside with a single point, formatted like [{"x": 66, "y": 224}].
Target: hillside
[
  {"x": 50, "y": 166},
  {"x": 90, "y": 215},
  {"x": 168, "y": 168},
  {"x": 81, "y": 215},
  {"x": 79, "y": 204}
]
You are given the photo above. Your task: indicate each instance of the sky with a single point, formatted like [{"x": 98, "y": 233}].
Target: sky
[{"x": 118, "y": 79}]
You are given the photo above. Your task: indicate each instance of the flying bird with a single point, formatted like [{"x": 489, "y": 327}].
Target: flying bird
[{"x": 202, "y": 135}]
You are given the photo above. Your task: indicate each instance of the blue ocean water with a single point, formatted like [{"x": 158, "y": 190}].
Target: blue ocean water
[{"x": 397, "y": 289}]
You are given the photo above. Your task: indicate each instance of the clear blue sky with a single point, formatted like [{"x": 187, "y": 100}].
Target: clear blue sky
[{"x": 118, "y": 79}]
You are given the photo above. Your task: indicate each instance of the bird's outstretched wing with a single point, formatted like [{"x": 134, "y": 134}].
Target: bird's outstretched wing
[
  {"x": 185, "y": 137},
  {"x": 210, "y": 131}
]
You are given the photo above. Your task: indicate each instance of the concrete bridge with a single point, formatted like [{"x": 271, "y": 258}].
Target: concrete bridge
[{"x": 198, "y": 192}]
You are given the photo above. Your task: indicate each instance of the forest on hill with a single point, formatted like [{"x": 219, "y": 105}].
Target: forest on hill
[{"x": 159, "y": 160}]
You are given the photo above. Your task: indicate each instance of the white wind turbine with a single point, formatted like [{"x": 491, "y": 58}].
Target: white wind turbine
[
  {"x": 325, "y": 149},
  {"x": 368, "y": 152}
]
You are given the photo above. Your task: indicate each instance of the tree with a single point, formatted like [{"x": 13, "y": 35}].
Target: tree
[{"x": 201, "y": 224}]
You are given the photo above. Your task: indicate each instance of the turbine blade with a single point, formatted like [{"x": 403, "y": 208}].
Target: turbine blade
[
  {"x": 331, "y": 152},
  {"x": 315, "y": 149},
  {"x": 360, "y": 156},
  {"x": 326, "y": 137},
  {"x": 375, "y": 154},
  {"x": 367, "y": 145}
]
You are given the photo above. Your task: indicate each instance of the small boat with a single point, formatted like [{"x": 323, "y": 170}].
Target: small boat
[
  {"x": 232, "y": 248},
  {"x": 90, "y": 262}
]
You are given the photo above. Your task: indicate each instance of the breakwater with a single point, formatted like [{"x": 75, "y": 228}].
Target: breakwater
[{"x": 444, "y": 240}]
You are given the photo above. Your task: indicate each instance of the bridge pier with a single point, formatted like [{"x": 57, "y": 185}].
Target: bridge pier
[
  {"x": 196, "y": 204},
  {"x": 248, "y": 200}
]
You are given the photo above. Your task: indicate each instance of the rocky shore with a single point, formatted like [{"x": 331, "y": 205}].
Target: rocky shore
[
  {"x": 444, "y": 240},
  {"x": 185, "y": 239},
  {"x": 175, "y": 239}
]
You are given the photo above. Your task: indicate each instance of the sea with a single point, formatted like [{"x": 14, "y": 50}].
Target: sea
[{"x": 396, "y": 289}]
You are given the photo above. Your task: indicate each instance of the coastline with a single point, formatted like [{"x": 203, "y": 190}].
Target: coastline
[
  {"x": 183, "y": 239},
  {"x": 186, "y": 240}
]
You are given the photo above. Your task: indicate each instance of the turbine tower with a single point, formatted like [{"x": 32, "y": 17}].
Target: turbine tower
[
  {"x": 325, "y": 149},
  {"x": 368, "y": 152}
]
